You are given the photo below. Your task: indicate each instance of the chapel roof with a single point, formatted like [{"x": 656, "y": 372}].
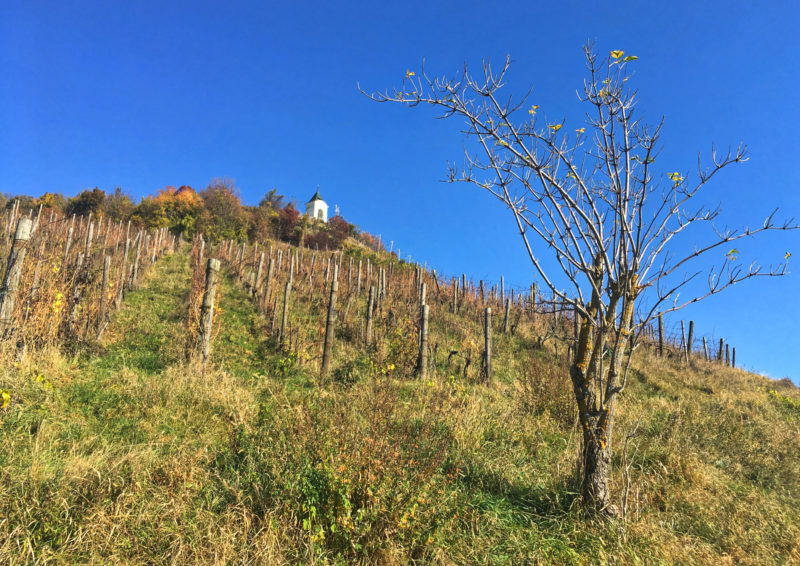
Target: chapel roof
[{"x": 315, "y": 197}]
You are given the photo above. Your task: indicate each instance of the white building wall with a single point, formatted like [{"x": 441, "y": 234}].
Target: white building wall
[{"x": 318, "y": 210}]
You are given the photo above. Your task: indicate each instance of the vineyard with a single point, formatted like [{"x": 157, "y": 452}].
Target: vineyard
[{"x": 178, "y": 402}]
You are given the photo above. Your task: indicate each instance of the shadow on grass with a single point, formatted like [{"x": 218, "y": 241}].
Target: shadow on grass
[{"x": 520, "y": 504}]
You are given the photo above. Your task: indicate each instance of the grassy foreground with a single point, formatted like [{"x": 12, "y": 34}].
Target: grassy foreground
[{"x": 127, "y": 454}]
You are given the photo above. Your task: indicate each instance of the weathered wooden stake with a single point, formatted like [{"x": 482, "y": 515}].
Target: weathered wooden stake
[
  {"x": 684, "y": 347},
  {"x": 370, "y": 309},
  {"x": 506, "y": 317},
  {"x": 487, "y": 344},
  {"x": 422, "y": 359},
  {"x": 68, "y": 244},
  {"x": 660, "y": 336},
  {"x": 8, "y": 292},
  {"x": 207, "y": 308},
  {"x": 285, "y": 318},
  {"x": 330, "y": 326},
  {"x": 101, "y": 315}
]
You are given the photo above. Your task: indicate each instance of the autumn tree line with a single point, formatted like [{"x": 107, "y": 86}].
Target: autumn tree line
[{"x": 216, "y": 211}]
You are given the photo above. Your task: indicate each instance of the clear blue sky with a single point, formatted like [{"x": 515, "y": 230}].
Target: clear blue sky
[{"x": 147, "y": 94}]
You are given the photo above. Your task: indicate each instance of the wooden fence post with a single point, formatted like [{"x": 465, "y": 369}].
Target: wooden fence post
[
  {"x": 207, "y": 308},
  {"x": 370, "y": 308},
  {"x": 684, "y": 347},
  {"x": 8, "y": 292},
  {"x": 259, "y": 273},
  {"x": 506, "y": 317},
  {"x": 101, "y": 315},
  {"x": 689, "y": 340},
  {"x": 660, "y": 336},
  {"x": 135, "y": 276},
  {"x": 733, "y": 358},
  {"x": 330, "y": 326},
  {"x": 422, "y": 359},
  {"x": 705, "y": 347},
  {"x": 285, "y": 318},
  {"x": 487, "y": 347}
]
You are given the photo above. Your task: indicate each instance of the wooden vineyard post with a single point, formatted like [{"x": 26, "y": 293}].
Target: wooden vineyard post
[
  {"x": 684, "y": 347},
  {"x": 720, "y": 352},
  {"x": 101, "y": 315},
  {"x": 689, "y": 340},
  {"x": 69, "y": 243},
  {"x": 705, "y": 347},
  {"x": 422, "y": 359},
  {"x": 660, "y": 336},
  {"x": 207, "y": 307},
  {"x": 733, "y": 358},
  {"x": 259, "y": 273},
  {"x": 285, "y": 317},
  {"x": 506, "y": 317},
  {"x": 135, "y": 276},
  {"x": 35, "y": 284},
  {"x": 75, "y": 295},
  {"x": 8, "y": 292},
  {"x": 330, "y": 325},
  {"x": 487, "y": 347},
  {"x": 370, "y": 309},
  {"x": 727, "y": 355},
  {"x": 87, "y": 245}
]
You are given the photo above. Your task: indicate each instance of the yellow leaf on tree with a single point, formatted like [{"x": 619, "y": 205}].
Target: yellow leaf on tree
[
  {"x": 533, "y": 109},
  {"x": 555, "y": 127},
  {"x": 409, "y": 73},
  {"x": 617, "y": 54},
  {"x": 580, "y": 130}
]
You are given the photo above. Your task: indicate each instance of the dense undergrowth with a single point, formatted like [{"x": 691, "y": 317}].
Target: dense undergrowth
[{"x": 126, "y": 453}]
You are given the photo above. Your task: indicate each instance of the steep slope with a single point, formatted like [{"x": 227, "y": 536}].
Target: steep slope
[{"x": 127, "y": 453}]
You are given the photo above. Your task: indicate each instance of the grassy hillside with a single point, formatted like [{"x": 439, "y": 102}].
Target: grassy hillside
[{"x": 126, "y": 453}]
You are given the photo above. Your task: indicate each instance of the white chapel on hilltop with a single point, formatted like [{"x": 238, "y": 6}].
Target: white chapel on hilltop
[{"x": 317, "y": 208}]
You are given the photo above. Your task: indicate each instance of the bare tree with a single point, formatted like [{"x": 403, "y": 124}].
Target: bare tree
[{"x": 594, "y": 198}]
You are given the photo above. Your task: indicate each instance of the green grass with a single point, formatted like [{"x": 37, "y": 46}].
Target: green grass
[{"x": 127, "y": 453}]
